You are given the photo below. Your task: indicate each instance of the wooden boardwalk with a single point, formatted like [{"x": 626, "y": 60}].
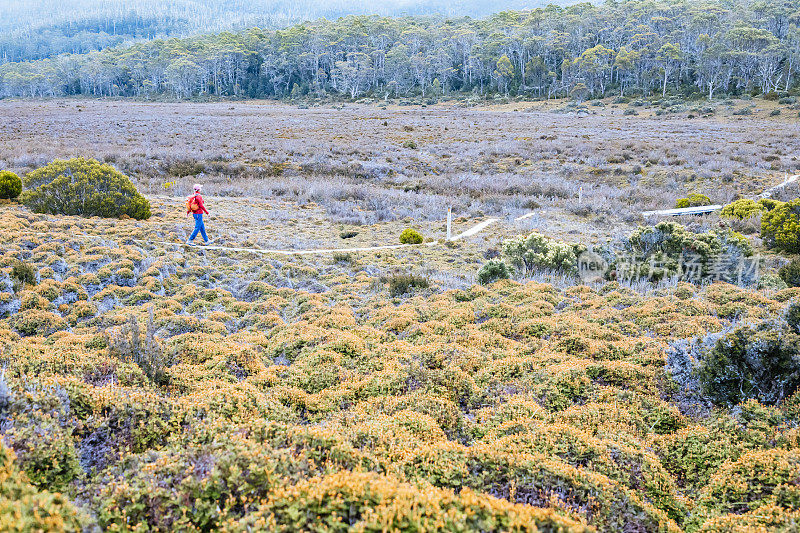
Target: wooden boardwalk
[
  {"x": 703, "y": 209},
  {"x": 683, "y": 211}
]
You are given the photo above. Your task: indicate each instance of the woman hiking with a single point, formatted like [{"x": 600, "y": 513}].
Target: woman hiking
[{"x": 195, "y": 207}]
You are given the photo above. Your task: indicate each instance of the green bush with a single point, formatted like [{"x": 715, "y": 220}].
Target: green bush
[
  {"x": 83, "y": 187},
  {"x": 23, "y": 274},
  {"x": 771, "y": 281},
  {"x": 743, "y": 209},
  {"x": 45, "y": 450},
  {"x": 410, "y": 236},
  {"x": 769, "y": 204},
  {"x": 400, "y": 284},
  {"x": 533, "y": 478},
  {"x": 10, "y": 185},
  {"x": 693, "y": 200},
  {"x": 753, "y": 362},
  {"x": 537, "y": 252},
  {"x": 790, "y": 273},
  {"x": 793, "y": 316},
  {"x": 761, "y": 482},
  {"x": 37, "y": 322},
  {"x": 780, "y": 227},
  {"x": 492, "y": 271},
  {"x": 23, "y": 508},
  {"x": 662, "y": 248},
  {"x": 345, "y": 501}
]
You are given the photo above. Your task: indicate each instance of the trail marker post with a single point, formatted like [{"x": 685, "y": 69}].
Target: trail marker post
[
  {"x": 449, "y": 222},
  {"x": 580, "y": 195}
]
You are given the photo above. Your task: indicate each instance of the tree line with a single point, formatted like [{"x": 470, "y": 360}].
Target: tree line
[{"x": 621, "y": 47}]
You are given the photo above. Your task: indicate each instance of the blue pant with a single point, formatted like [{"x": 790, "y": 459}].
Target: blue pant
[{"x": 199, "y": 227}]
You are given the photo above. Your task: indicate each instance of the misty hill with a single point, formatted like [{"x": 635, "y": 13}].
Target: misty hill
[{"x": 42, "y": 28}]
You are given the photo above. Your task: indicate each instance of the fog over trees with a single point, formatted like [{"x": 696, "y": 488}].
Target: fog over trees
[
  {"x": 34, "y": 29},
  {"x": 585, "y": 50}
]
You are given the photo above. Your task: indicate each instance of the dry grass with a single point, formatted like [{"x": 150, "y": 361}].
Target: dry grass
[{"x": 351, "y": 160}]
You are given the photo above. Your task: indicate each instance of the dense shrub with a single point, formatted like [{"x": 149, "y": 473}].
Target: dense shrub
[
  {"x": 10, "y": 185},
  {"x": 400, "y": 284},
  {"x": 40, "y": 434},
  {"x": 559, "y": 395},
  {"x": 790, "y": 273},
  {"x": 760, "y": 362},
  {"x": 23, "y": 508},
  {"x": 742, "y": 209},
  {"x": 672, "y": 238},
  {"x": 757, "y": 479},
  {"x": 45, "y": 450},
  {"x": 37, "y": 322},
  {"x": 186, "y": 167},
  {"x": 153, "y": 488},
  {"x": 23, "y": 274},
  {"x": 537, "y": 252},
  {"x": 410, "y": 236},
  {"x": 771, "y": 281},
  {"x": 608, "y": 457},
  {"x": 347, "y": 501},
  {"x": 535, "y": 479},
  {"x": 693, "y": 454},
  {"x": 147, "y": 353},
  {"x": 693, "y": 200},
  {"x": 793, "y": 316},
  {"x": 83, "y": 187},
  {"x": 780, "y": 227},
  {"x": 492, "y": 271},
  {"x": 668, "y": 247}
]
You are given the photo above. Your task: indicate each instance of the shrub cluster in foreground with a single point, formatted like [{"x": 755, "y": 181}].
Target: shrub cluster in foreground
[{"x": 510, "y": 407}]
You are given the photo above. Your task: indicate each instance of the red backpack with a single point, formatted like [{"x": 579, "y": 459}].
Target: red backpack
[{"x": 191, "y": 203}]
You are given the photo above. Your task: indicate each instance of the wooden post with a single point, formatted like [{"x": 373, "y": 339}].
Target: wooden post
[{"x": 449, "y": 222}]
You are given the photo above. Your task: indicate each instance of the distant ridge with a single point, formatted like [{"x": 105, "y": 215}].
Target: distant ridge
[{"x": 219, "y": 15}]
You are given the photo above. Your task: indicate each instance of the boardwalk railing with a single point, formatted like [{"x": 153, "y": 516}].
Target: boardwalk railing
[
  {"x": 700, "y": 210},
  {"x": 683, "y": 211}
]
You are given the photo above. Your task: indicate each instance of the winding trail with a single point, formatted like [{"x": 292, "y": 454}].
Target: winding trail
[
  {"x": 468, "y": 233},
  {"x": 290, "y": 252},
  {"x": 475, "y": 229}
]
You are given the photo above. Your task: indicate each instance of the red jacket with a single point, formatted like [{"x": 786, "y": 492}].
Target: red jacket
[{"x": 201, "y": 208}]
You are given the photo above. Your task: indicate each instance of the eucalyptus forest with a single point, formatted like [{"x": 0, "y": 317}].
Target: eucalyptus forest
[{"x": 585, "y": 50}]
